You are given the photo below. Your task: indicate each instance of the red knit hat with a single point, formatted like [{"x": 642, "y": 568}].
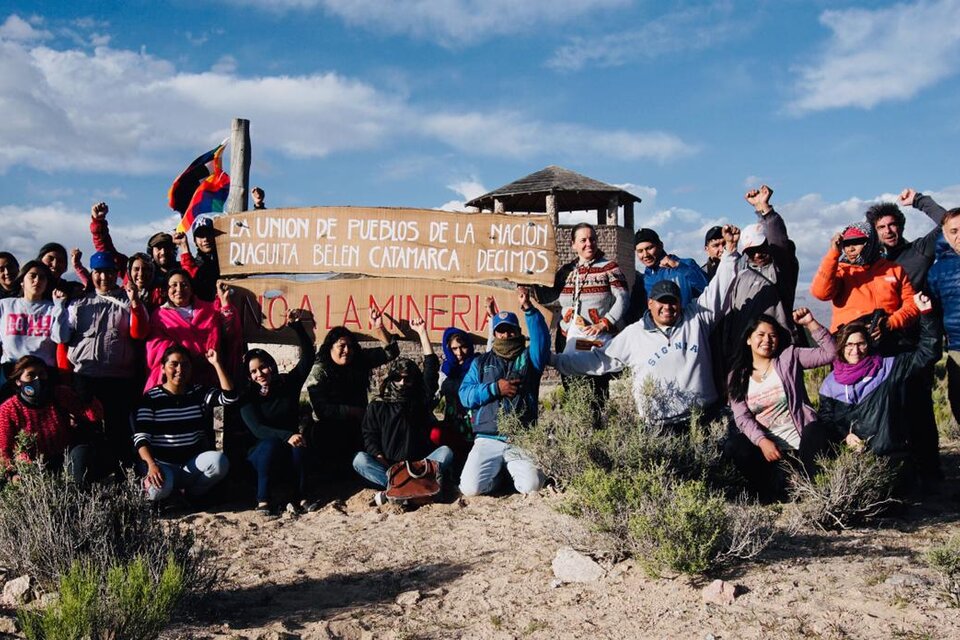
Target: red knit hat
[{"x": 854, "y": 233}]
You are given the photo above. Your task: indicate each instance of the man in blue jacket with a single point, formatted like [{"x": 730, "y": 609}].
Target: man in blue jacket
[
  {"x": 944, "y": 282},
  {"x": 659, "y": 265},
  {"x": 506, "y": 378}
]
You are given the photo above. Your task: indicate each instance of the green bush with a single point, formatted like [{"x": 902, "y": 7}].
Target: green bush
[
  {"x": 683, "y": 526},
  {"x": 126, "y": 603},
  {"x": 49, "y": 524},
  {"x": 851, "y": 488},
  {"x": 945, "y": 560},
  {"x": 946, "y": 424}
]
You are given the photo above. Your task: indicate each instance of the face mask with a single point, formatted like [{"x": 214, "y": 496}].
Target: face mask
[{"x": 33, "y": 393}]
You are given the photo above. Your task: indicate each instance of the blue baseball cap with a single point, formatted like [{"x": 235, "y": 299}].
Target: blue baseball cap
[
  {"x": 203, "y": 226},
  {"x": 505, "y": 317},
  {"x": 103, "y": 260}
]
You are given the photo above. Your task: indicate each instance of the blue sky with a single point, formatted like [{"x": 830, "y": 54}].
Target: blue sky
[{"x": 427, "y": 103}]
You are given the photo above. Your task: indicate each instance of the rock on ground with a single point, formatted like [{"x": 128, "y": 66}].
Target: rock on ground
[
  {"x": 719, "y": 592},
  {"x": 17, "y": 591},
  {"x": 572, "y": 566}
]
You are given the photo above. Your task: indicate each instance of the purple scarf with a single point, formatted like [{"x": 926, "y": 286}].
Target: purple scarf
[{"x": 846, "y": 373}]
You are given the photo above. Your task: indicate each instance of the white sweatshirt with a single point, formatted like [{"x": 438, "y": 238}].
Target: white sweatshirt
[{"x": 32, "y": 328}]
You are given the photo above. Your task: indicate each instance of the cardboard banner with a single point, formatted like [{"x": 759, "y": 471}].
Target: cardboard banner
[
  {"x": 264, "y": 303},
  {"x": 388, "y": 242}
]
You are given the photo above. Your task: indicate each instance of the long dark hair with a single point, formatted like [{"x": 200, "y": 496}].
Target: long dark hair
[
  {"x": 263, "y": 356},
  {"x": 323, "y": 353},
  {"x": 743, "y": 359}
]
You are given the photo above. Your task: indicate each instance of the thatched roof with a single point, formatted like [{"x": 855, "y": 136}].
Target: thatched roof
[{"x": 573, "y": 191}]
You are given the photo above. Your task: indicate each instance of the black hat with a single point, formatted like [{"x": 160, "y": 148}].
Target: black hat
[
  {"x": 713, "y": 233},
  {"x": 647, "y": 235},
  {"x": 665, "y": 289}
]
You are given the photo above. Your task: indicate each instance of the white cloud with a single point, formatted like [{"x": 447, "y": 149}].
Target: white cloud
[
  {"x": 30, "y": 227},
  {"x": 17, "y": 29},
  {"x": 452, "y": 23},
  {"x": 467, "y": 190},
  {"x": 693, "y": 29},
  {"x": 511, "y": 134},
  {"x": 880, "y": 55},
  {"x": 56, "y": 117}
]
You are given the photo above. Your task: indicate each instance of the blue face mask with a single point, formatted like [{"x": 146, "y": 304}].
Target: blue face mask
[{"x": 34, "y": 392}]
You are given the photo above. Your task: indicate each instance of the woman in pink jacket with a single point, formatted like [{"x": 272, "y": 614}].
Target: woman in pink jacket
[{"x": 197, "y": 325}]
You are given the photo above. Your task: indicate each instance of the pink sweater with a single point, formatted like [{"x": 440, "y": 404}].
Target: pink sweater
[{"x": 211, "y": 327}]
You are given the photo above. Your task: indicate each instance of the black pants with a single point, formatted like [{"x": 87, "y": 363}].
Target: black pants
[
  {"x": 767, "y": 479},
  {"x": 923, "y": 434}
]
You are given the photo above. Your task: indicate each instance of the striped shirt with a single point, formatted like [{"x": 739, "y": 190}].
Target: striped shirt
[{"x": 177, "y": 428}]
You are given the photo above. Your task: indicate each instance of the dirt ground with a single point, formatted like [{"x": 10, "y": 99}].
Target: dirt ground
[{"x": 481, "y": 568}]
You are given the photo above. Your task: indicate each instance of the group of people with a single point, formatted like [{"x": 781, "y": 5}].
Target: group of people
[{"x": 123, "y": 366}]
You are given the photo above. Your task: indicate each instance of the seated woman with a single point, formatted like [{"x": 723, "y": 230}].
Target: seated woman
[
  {"x": 769, "y": 400},
  {"x": 173, "y": 430},
  {"x": 455, "y": 431},
  {"x": 196, "y": 325},
  {"x": 863, "y": 400},
  {"x": 338, "y": 389},
  {"x": 33, "y": 325},
  {"x": 39, "y": 421},
  {"x": 271, "y": 410},
  {"x": 397, "y": 424},
  {"x": 860, "y": 283}
]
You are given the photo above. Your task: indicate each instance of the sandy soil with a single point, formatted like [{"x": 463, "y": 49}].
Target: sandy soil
[{"x": 481, "y": 568}]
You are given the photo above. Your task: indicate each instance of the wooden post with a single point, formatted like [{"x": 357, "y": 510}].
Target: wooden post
[
  {"x": 497, "y": 205},
  {"x": 628, "y": 216},
  {"x": 552, "y": 209},
  {"x": 239, "y": 166}
]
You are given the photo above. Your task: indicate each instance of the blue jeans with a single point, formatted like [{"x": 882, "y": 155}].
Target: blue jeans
[
  {"x": 375, "y": 472},
  {"x": 196, "y": 477},
  {"x": 272, "y": 457},
  {"x": 487, "y": 458}
]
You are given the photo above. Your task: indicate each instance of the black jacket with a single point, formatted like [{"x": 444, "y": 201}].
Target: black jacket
[
  {"x": 916, "y": 256},
  {"x": 401, "y": 431}
]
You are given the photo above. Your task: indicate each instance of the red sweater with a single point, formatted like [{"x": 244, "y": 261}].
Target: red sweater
[{"x": 49, "y": 424}]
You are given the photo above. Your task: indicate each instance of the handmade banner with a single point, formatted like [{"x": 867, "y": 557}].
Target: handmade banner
[
  {"x": 264, "y": 303},
  {"x": 388, "y": 242}
]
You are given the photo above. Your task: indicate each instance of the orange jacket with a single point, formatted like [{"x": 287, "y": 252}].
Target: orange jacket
[{"x": 858, "y": 291}]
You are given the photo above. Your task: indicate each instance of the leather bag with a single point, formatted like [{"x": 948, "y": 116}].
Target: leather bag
[{"x": 414, "y": 481}]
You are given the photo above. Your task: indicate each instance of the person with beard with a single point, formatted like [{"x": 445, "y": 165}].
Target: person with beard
[
  {"x": 103, "y": 354},
  {"x": 863, "y": 286},
  {"x": 271, "y": 411},
  {"x": 204, "y": 268},
  {"x": 338, "y": 389},
  {"x": 397, "y": 424},
  {"x": 160, "y": 247},
  {"x": 38, "y": 421},
  {"x": 9, "y": 268},
  {"x": 505, "y": 379},
  {"x": 916, "y": 257}
]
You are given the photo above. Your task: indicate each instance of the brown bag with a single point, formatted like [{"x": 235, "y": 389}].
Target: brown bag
[{"x": 413, "y": 481}]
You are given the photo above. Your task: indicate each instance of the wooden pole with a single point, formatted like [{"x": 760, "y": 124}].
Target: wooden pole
[
  {"x": 239, "y": 166},
  {"x": 552, "y": 209}
]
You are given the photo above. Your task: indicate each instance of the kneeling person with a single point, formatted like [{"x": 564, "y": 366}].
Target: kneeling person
[{"x": 507, "y": 379}]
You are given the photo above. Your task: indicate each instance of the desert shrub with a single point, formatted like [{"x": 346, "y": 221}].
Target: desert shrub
[
  {"x": 127, "y": 602},
  {"x": 812, "y": 379},
  {"x": 49, "y": 524},
  {"x": 946, "y": 424},
  {"x": 667, "y": 522},
  {"x": 945, "y": 560},
  {"x": 851, "y": 488}
]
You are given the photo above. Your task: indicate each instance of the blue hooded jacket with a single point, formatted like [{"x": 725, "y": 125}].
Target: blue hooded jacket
[{"x": 943, "y": 280}]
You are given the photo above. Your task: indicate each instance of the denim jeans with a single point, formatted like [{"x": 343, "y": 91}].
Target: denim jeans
[
  {"x": 487, "y": 458},
  {"x": 375, "y": 472},
  {"x": 272, "y": 457},
  {"x": 196, "y": 477}
]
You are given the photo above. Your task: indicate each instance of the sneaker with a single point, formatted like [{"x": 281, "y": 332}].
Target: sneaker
[
  {"x": 379, "y": 499},
  {"x": 311, "y": 507},
  {"x": 295, "y": 509}
]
